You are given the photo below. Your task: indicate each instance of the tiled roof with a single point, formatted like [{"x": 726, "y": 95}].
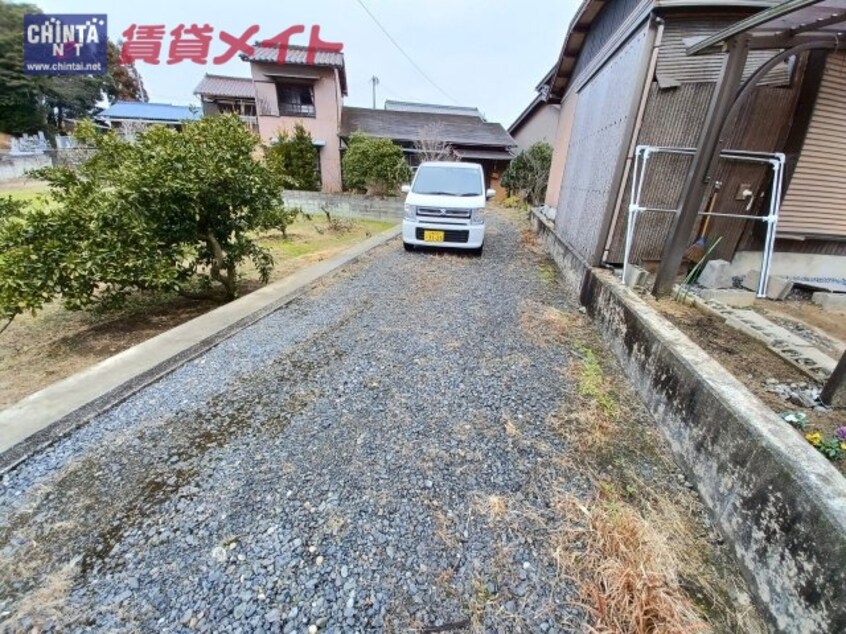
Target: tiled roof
[
  {"x": 223, "y": 86},
  {"x": 296, "y": 55},
  {"x": 149, "y": 111},
  {"x": 413, "y": 106},
  {"x": 407, "y": 126},
  {"x": 482, "y": 155}
]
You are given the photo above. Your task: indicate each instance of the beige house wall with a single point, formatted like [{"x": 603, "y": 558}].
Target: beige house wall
[
  {"x": 541, "y": 126},
  {"x": 324, "y": 126},
  {"x": 566, "y": 115}
]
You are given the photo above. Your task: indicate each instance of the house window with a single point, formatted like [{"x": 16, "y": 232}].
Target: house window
[
  {"x": 240, "y": 107},
  {"x": 295, "y": 100}
]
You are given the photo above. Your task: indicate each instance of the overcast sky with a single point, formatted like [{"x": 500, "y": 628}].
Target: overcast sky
[{"x": 484, "y": 53}]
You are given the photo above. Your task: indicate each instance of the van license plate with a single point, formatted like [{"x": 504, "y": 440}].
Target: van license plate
[{"x": 433, "y": 236}]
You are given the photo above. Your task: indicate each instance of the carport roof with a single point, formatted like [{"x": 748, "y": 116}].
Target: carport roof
[
  {"x": 784, "y": 25},
  {"x": 405, "y": 126}
]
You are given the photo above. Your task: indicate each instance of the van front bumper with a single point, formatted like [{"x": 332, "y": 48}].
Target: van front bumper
[{"x": 454, "y": 236}]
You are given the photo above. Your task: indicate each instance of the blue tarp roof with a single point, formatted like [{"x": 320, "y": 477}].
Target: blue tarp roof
[{"x": 148, "y": 111}]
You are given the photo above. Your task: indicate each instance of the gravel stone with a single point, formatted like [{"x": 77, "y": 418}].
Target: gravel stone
[{"x": 365, "y": 421}]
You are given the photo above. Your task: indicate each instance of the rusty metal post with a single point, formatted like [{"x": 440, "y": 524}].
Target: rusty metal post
[
  {"x": 711, "y": 141},
  {"x": 834, "y": 392}
]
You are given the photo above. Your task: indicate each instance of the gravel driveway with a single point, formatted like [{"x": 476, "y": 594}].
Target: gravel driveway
[{"x": 339, "y": 466}]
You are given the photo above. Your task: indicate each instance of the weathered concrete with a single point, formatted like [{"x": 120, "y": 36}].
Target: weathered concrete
[
  {"x": 41, "y": 418},
  {"x": 635, "y": 276},
  {"x": 572, "y": 267},
  {"x": 346, "y": 205},
  {"x": 831, "y": 302},
  {"x": 789, "y": 264},
  {"x": 778, "y": 288},
  {"x": 12, "y": 167},
  {"x": 729, "y": 297},
  {"x": 776, "y": 500},
  {"x": 716, "y": 274}
]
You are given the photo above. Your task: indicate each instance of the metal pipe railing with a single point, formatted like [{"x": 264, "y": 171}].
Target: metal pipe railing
[{"x": 775, "y": 159}]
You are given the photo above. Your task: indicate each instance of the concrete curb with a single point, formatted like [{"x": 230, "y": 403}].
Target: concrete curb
[
  {"x": 53, "y": 412},
  {"x": 776, "y": 500}
]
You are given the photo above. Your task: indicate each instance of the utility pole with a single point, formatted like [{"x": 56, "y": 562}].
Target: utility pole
[{"x": 375, "y": 81}]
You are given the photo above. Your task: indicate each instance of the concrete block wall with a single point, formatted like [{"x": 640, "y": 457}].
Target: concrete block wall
[
  {"x": 12, "y": 167},
  {"x": 346, "y": 205},
  {"x": 778, "y": 503}
]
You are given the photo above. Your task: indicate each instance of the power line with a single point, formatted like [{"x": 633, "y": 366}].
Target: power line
[{"x": 407, "y": 56}]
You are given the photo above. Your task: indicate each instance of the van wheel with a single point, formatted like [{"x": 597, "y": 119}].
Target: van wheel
[
  {"x": 407, "y": 246},
  {"x": 478, "y": 252}
]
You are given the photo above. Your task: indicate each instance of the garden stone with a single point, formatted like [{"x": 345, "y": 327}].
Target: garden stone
[{"x": 716, "y": 274}]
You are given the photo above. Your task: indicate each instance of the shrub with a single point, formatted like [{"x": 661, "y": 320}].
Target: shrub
[
  {"x": 374, "y": 165},
  {"x": 294, "y": 160},
  {"x": 171, "y": 211},
  {"x": 528, "y": 173}
]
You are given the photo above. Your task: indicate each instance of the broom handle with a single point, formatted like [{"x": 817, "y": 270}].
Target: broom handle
[{"x": 703, "y": 230}]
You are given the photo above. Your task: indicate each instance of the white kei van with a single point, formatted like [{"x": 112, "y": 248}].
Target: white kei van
[{"x": 444, "y": 206}]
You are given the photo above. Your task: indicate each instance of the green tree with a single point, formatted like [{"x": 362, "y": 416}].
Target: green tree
[
  {"x": 294, "y": 158},
  {"x": 71, "y": 97},
  {"x": 20, "y": 107},
  {"x": 125, "y": 82},
  {"x": 528, "y": 173},
  {"x": 374, "y": 165},
  {"x": 171, "y": 211}
]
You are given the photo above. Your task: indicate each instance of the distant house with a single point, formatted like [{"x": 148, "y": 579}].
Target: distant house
[
  {"x": 123, "y": 112},
  {"x": 471, "y": 137},
  {"x": 539, "y": 121},
  {"x": 220, "y": 94},
  {"x": 309, "y": 88},
  {"x": 432, "y": 108},
  {"x": 277, "y": 96},
  {"x": 624, "y": 78}
]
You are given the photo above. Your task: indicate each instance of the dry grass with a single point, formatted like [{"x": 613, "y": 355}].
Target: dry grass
[
  {"x": 628, "y": 574},
  {"x": 622, "y": 560},
  {"x": 548, "y": 326},
  {"x": 43, "y": 604},
  {"x": 638, "y": 554},
  {"x": 495, "y": 507}
]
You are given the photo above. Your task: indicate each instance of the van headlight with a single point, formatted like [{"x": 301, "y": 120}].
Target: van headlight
[
  {"x": 410, "y": 211},
  {"x": 477, "y": 217}
]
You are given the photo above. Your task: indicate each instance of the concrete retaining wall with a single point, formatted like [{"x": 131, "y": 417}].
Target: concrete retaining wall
[
  {"x": 775, "y": 499},
  {"x": 12, "y": 167},
  {"x": 346, "y": 205}
]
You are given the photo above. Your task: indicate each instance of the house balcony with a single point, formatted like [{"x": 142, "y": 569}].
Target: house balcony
[{"x": 251, "y": 121}]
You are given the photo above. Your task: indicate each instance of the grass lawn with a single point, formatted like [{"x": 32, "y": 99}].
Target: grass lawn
[
  {"x": 37, "y": 351},
  {"x": 314, "y": 240},
  {"x": 22, "y": 189}
]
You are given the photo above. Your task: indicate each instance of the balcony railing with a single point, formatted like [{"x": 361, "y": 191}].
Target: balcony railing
[
  {"x": 296, "y": 110},
  {"x": 250, "y": 121}
]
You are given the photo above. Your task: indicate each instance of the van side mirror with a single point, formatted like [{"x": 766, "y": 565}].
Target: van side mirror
[
  {"x": 490, "y": 193},
  {"x": 405, "y": 189}
]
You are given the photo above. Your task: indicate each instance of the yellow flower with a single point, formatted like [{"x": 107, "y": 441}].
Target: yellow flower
[
  {"x": 815, "y": 438},
  {"x": 843, "y": 445}
]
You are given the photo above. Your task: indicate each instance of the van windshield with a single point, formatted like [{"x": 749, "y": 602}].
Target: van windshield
[{"x": 447, "y": 181}]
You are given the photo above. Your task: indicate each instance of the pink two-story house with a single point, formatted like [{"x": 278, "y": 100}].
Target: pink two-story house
[{"x": 277, "y": 96}]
